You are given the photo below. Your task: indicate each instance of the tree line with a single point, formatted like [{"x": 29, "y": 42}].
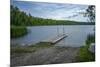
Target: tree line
[{"x": 20, "y": 18}]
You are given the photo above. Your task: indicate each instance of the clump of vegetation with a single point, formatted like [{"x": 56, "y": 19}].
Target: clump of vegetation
[
  {"x": 84, "y": 54},
  {"x": 90, "y": 39},
  {"x": 18, "y": 31}
]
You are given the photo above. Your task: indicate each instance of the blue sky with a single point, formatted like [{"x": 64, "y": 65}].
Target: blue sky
[{"x": 56, "y": 11}]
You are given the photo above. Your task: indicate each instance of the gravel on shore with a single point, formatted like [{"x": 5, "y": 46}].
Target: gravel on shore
[{"x": 52, "y": 55}]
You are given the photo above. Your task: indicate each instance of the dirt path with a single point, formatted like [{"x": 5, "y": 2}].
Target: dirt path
[{"x": 50, "y": 55}]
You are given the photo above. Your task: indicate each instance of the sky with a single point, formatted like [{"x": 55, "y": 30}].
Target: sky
[{"x": 57, "y": 11}]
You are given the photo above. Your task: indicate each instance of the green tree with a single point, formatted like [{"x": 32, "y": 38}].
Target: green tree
[
  {"x": 90, "y": 13},
  {"x": 21, "y": 18}
]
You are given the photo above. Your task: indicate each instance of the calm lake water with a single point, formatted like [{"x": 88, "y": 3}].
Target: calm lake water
[{"x": 76, "y": 34}]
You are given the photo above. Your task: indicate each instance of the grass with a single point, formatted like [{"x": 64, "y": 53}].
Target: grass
[
  {"x": 18, "y": 31},
  {"x": 31, "y": 48},
  {"x": 84, "y": 54}
]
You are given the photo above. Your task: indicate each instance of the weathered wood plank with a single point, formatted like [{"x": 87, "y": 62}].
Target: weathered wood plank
[{"x": 55, "y": 39}]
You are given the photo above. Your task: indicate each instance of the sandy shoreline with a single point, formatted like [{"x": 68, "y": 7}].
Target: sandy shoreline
[{"x": 51, "y": 55}]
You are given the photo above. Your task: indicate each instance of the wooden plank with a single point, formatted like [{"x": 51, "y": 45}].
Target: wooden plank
[
  {"x": 55, "y": 39},
  {"x": 58, "y": 39}
]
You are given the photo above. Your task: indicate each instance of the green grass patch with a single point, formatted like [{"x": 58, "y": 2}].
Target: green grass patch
[
  {"x": 85, "y": 55},
  {"x": 18, "y": 31}
]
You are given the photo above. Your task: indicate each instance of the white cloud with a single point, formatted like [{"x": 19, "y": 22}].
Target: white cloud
[{"x": 53, "y": 10}]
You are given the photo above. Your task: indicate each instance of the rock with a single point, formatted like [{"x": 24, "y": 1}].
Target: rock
[{"x": 92, "y": 48}]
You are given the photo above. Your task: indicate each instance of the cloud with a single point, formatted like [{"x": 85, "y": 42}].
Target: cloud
[{"x": 52, "y": 10}]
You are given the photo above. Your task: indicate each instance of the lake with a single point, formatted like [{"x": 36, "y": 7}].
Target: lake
[{"x": 77, "y": 34}]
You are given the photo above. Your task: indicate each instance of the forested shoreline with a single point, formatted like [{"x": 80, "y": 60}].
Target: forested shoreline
[{"x": 20, "y": 18}]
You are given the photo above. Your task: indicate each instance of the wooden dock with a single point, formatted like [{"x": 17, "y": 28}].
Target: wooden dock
[{"x": 55, "y": 39}]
